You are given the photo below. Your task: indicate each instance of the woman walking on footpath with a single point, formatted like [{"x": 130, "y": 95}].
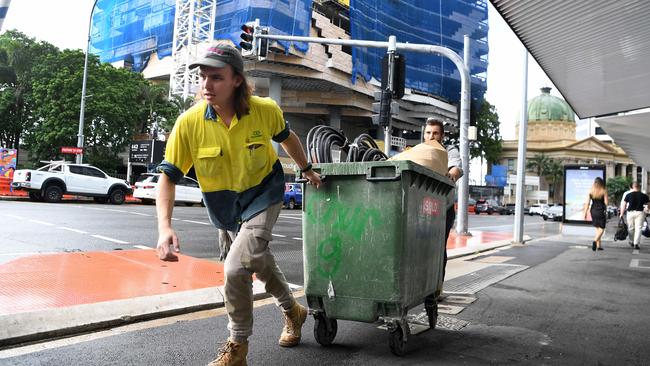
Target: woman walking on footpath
[{"x": 598, "y": 202}]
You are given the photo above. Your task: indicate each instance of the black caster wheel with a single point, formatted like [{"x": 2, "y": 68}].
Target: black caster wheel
[
  {"x": 324, "y": 329},
  {"x": 397, "y": 339}
]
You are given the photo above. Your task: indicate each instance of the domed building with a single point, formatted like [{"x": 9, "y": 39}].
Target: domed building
[{"x": 552, "y": 133}]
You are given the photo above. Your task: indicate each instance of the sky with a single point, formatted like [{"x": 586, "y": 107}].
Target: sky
[{"x": 67, "y": 27}]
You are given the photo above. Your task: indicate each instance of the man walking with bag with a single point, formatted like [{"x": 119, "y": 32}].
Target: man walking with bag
[{"x": 635, "y": 203}]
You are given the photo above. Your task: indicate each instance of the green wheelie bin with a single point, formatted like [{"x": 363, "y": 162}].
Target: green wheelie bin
[{"x": 373, "y": 238}]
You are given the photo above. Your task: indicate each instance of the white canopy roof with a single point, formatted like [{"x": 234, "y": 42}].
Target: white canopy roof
[
  {"x": 632, "y": 133},
  {"x": 597, "y": 52}
]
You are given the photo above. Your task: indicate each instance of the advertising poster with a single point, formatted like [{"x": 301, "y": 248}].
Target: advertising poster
[
  {"x": 7, "y": 162},
  {"x": 577, "y": 184}
]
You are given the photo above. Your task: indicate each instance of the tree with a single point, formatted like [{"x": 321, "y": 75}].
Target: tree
[
  {"x": 616, "y": 186},
  {"x": 538, "y": 164},
  {"x": 553, "y": 174},
  {"x": 114, "y": 108},
  {"x": 488, "y": 143},
  {"x": 18, "y": 56}
]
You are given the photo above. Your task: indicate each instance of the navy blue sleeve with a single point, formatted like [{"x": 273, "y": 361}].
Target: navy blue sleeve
[
  {"x": 283, "y": 135},
  {"x": 171, "y": 171}
]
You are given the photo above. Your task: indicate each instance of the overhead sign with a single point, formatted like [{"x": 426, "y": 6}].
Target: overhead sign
[
  {"x": 140, "y": 151},
  {"x": 72, "y": 150}
]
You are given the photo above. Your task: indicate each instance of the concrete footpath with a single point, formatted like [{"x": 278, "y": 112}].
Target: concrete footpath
[{"x": 51, "y": 295}]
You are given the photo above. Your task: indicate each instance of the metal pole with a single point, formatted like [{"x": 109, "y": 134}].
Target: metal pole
[
  {"x": 521, "y": 158},
  {"x": 82, "y": 109},
  {"x": 392, "y": 47},
  {"x": 463, "y": 189}
]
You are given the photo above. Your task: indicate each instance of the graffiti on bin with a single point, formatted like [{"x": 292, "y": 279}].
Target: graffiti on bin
[{"x": 343, "y": 222}]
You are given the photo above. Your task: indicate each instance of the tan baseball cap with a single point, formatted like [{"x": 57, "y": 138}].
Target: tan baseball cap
[{"x": 220, "y": 55}]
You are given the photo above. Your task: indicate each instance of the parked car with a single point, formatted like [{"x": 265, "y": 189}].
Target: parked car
[
  {"x": 471, "y": 205},
  {"x": 50, "y": 182},
  {"x": 187, "y": 189},
  {"x": 612, "y": 211},
  {"x": 508, "y": 209},
  {"x": 537, "y": 209},
  {"x": 555, "y": 213},
  {"x": 292, "y": 195},
  {"x": 487, "y": 206}
]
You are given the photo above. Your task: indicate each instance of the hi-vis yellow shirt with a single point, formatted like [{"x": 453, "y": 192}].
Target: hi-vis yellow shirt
[{"x": 237, "y": 167}]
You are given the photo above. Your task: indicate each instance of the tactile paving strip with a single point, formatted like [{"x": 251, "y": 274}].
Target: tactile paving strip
[
  {"x": 473, "y": 282},
  {"x": 65, "y": 279}
]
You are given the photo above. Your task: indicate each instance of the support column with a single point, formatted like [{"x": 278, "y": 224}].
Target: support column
[
  {"x": 335, "y": 117},
  {"x": 610, "y": 170},
  {"x": 275, "y": 93},
  {"x": 644, "y": 180}
]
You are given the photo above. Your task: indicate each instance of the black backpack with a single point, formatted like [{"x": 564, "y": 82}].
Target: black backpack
[{"x": 621, "y": 231}]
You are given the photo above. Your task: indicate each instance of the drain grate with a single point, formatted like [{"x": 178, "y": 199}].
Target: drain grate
[
  {"x": 473, "y": 282},
  {"x": 419, "y": 323}
]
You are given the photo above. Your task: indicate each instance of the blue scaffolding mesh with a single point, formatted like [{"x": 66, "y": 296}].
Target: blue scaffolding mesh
[
  {"x": 283, "y": 17},
  {"x": 131, "y": 30},
  {"x": 439, "y": 22}
]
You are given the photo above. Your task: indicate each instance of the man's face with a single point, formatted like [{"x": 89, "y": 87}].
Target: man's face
[
  {"x": 218, "y": 84},
  {"x": 433, "y": 133}
]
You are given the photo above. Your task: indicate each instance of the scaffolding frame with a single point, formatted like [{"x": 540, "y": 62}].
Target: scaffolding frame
[{"x": 193, "y": 25}]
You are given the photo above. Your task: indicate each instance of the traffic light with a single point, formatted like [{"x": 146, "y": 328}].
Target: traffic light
[
  {"x": 399, "y": 74},
  {"x": 249, "y": 43},
  {"x": 383, "y": 108},
  {"x": 264, "y": 45}
]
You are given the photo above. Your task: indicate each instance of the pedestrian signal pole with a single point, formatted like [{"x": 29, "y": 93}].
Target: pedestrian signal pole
[{"x": 393, "y": 46}]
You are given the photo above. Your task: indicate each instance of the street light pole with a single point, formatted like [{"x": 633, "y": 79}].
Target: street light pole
[{"x": 80, "y": 135}]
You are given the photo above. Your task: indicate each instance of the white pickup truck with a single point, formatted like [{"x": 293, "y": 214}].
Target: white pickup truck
[{"x": 51, "y": 182}]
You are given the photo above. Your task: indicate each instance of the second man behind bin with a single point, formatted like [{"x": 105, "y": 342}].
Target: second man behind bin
[{"x": 434, "y": 130}]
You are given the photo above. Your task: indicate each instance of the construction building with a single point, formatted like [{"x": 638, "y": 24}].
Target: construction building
[{"x": 314, "y": 84}]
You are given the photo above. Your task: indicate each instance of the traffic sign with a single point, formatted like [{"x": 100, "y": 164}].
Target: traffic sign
[{"x": 72, "y": 150}]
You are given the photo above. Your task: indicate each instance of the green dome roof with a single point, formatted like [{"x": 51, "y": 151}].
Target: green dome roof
[{"x": 548, "y": 107}]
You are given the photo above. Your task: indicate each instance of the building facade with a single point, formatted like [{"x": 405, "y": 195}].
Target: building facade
[{"x": 552, "y": 132}]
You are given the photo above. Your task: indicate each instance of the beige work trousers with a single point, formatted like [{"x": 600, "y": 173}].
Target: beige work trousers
[
  {"x": 635, "y": 221},
  {"x": 249, "y": 253}
]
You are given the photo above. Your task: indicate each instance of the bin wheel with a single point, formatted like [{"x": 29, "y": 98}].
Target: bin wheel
[
  {"x": 323, "y": 335},
  {"x": 396, "y": 340},
  {"x": 432, "y": 314}
]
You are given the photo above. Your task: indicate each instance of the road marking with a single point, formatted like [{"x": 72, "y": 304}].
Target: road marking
[
  {"x": 110, "y": 239},
  {"x": 291, "y": 217},
  {"x": 175, "y": 219},
  {"x": 142, "y": 247},
  {"x": 635, "y": 251},
  {"x": 197, "y": 222},
  {"x": 42, "y": 222},
  {"x": 74, "y": 230},
  {"x": 279, "y": 235},
  {"x": 13, "y": 216},
  {"x": 114, "y": 210},
  {"x": 297, "y": 238},
  {"x": 139, "y": 214}
]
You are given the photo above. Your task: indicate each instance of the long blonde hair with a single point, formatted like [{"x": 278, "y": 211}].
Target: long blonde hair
[{"x": 598, "y": 189}]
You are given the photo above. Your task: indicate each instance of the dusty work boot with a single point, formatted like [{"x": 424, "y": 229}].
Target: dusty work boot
[
  {"x": 294, "y": 318},
  {"x": 231, "y": 354}
]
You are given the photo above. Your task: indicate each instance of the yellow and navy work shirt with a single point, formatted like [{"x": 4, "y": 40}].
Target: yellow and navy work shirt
[{"x": 237, "y": 167}]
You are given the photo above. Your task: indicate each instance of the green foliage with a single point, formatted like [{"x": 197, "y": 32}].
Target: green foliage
[
  {"x": 40, "y": 94},
  {"x": 548, "y": 168},
  {"x": 616, "y": 186},
  {"x": 488, "y": 140}
]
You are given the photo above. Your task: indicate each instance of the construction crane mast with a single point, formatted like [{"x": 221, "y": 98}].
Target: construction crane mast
[{"x": 193, "y": 25}]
